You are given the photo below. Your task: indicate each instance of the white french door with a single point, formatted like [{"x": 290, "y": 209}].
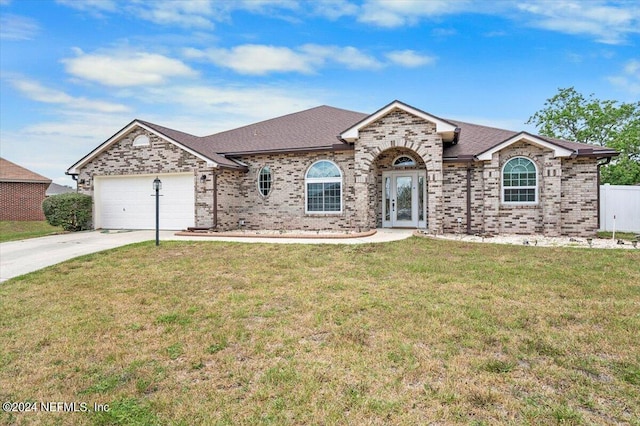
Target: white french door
[{"x": 404, "y": 195}]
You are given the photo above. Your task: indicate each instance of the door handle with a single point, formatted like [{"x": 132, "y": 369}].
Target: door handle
[{"x": 393, "y": 206}]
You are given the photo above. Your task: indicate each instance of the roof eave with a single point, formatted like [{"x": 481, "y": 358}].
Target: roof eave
[
  {"x": 558, "y": 151},
  {"x": 334, "y": 147}
]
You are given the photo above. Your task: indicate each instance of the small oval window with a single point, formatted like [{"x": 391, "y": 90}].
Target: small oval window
[
  {"x": 141, "y": 140},
  {"x": 264, "y": 181},
  {"x": 404, "y": 161}
]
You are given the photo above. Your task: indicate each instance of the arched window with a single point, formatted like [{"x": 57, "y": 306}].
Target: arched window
[
  {"x": 141, "y": 140},
  {"x": 520, "y": 181},
  {"x": 404, "y": 161},
  {"x": 264, "y": 181},
  {"x": 323, "y": 183}
]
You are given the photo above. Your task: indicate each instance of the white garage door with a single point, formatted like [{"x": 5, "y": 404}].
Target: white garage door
[{"x": 128, "y": 202}]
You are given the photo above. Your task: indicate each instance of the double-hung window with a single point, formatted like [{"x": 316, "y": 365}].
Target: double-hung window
[
  {"x": 323, "y": 183},
  {"x": 519, "y": 181}
]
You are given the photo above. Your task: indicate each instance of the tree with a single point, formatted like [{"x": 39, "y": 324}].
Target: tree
[{"x": 569, "y": 115}]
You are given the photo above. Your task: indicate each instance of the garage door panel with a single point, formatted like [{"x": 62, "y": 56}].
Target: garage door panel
[{"x": 129, "y": 202}]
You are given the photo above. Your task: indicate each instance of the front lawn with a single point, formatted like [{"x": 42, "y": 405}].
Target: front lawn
[
  {"x": 412, "y": 332},
  {"x": 11, "y": 230}
]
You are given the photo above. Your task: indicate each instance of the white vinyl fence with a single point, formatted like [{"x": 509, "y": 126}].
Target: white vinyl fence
[{"x": 620, "y": 208}]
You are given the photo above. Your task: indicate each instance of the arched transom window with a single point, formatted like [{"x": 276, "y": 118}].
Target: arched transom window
[
  {"x": 404, "y": 161},
  {"x": 323, "y": 183},
  {"x": 520, "y": 181}
]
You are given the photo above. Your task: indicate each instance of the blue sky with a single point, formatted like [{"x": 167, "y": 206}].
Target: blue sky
[{"x": 74, "y": 72}]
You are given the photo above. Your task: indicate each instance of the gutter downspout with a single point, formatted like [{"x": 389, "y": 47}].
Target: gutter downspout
[
  {"x": 469, "y": 200},
  {"x": 214, "y": 175},
  {"x": 607, "y": 161}
]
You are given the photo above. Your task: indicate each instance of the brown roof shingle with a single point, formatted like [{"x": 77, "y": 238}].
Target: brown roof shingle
[
  {"x": 11, "y": 172},
  {"x": 312, "y": 129},
  {"x": 318, "y": 128}
]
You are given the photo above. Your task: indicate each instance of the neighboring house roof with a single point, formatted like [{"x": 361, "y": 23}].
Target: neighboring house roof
[
  {"x": 11, "y": 172},
  {"x": 55, "y": 189},
  {"x": 328, "y": 128}
]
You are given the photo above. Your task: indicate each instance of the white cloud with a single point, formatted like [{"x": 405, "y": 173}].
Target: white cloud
[
  {"x": 410, "y": 58},
  {"x": 214, "y": 108},
  {"x": 609, "y": 23},
  {"x": 333, "y": 9},
  {"x": 629, "y": 79},
  {"x": 185, "y": 13},
  {"x": 37, "y": 92},
  {"x": 258, "y": 59},
  {"x": 93, "y": 7},
  {"x": 15, "y": 27},
  {"x": 348, "y": 56},
  {"x": 126, "y": 68},
  {"x": 391, "y": 14}
]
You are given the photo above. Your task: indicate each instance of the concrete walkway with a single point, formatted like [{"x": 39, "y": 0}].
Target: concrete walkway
[{"x": 24, "y": 256}]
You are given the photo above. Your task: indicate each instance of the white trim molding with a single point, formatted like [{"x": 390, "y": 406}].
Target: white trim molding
[
  {"x": 135, "y": 123},
  {"x": 558, "y": 151},
  {"x": 443, "y": 127}
]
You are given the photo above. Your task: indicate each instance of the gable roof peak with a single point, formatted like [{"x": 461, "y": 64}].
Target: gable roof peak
[{"x": 446, "y": 128}]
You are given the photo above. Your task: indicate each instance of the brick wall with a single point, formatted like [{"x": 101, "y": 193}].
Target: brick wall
[
  {"x": 22, "y": 201},
  {"x": 567, "y": 196},
  {"x": 398, "y": 129},
  {"x": 567, "y": 187},
  {"x": 383, "y": 163},
  {"x": 284, "y": 207},
  {"x": 122, "y": 158},
  {"x": 579, "y": 203}
]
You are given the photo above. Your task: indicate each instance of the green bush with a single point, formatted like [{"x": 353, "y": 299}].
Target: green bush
[{"x": 71, "y": 211}]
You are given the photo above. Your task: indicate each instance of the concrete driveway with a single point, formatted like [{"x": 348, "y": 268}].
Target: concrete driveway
[
  {"x": 24, "y": 256},
  {"x": 20, "y": 257}
]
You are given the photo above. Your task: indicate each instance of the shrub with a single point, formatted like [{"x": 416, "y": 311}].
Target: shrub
[{"x": 70, "y": 211}]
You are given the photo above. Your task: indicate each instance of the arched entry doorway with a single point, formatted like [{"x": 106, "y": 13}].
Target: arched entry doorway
[{"x": 401, "y": 189}]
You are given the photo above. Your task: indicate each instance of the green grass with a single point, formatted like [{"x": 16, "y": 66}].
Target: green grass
[
  {"x": 630, "y": 236},
  {"x": 412, "y": 332},
  {"x": 11, "y": 230}
]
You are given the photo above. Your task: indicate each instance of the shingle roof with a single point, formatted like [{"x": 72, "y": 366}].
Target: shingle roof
[
  {"x": 192, "y": 142},
  {"x": 55, "y": 189},
  {"x": 318, "y": 129},
  {"x": 11, "y": 172},
  {"x": 312, "y": 129},
  {"x": 475, "y": 139}
]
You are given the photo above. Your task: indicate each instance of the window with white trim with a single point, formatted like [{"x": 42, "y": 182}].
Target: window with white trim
[
  {"x": 141, "y": 140},
  {"x": 323, "y": 183},
  {"x": 520, "y": 181},
  {"x": 264, "y": 181}
]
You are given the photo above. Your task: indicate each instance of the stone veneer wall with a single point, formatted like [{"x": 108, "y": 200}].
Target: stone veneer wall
[
  {"x": 122, "y": 158},
  {"x": 398, "y": 129},
  {"x": 284, "y": 207}
]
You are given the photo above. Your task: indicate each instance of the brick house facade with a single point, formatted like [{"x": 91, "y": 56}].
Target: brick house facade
[
  {"x": 21, "y": 193},
  {"x": 332, "y": 169}
]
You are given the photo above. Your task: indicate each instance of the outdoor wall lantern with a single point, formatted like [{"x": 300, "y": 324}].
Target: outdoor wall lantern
[
  {"x": 157, "y": 186},
  {"x": 203, "y": 178}
]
